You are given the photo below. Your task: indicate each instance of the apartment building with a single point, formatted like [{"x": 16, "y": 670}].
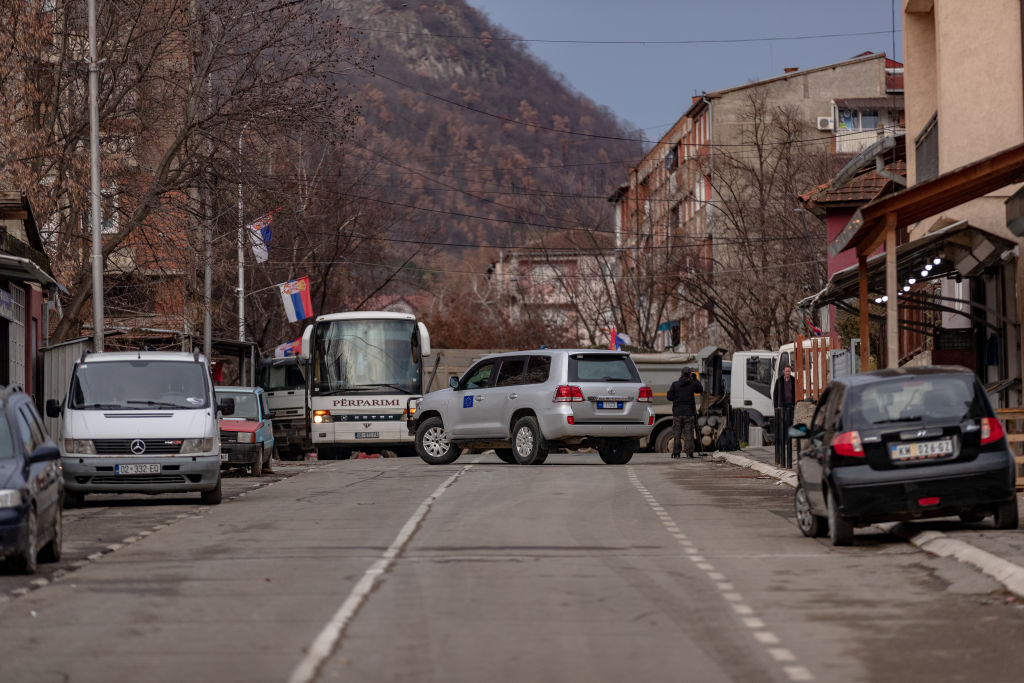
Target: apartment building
[{"x": 685, "y": 211}]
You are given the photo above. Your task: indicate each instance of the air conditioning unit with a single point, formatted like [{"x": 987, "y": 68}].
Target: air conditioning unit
[{"x": 824, "y": 123}]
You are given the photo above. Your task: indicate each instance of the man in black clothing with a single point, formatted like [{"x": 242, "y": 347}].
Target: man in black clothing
[
  {"x": 784, "y": 399},
  {"x": 684, "y": 410}
]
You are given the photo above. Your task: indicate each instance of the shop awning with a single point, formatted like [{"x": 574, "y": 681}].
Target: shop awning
[
  {"x": 20, "y": 268},
  {"x": 959, "y": 248}
]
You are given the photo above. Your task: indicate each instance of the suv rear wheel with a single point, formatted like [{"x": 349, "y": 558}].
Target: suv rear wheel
[
  {"x": 505, "y": 455},
  {"x": 433, "y": 445},
  {"x": 528, "y": 444},
  {"x": 616, "y": 452}
]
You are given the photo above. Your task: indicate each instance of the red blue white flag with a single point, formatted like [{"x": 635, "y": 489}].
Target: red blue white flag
[
  {"x": 259, "y": 235},
  {"x": 291, "y": 348},
  {"x": 295, "y": 296}
]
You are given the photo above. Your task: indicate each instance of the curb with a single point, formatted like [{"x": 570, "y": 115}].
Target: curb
[{"x": 1010, "y": 575}]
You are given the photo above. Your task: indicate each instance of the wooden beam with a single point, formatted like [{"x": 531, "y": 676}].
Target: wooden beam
[
  {"x": 892, "y": 318},
  {"x": 865, "y": 320}
]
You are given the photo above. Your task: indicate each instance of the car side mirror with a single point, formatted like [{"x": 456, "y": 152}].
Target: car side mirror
[
  {"x": 453, "y": 382},
  {"x": 44, "y": 453},
  {"x": 53, "y": 407},
  {"x": 797, "y": 431},
  {"x": 226, "y": 406}
]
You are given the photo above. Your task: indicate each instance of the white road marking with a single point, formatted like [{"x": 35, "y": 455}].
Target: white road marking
[
  {"x": 326, "y": 641},
  {"x": 798, "y": 673},
  {"x": 735, "y": 599}
]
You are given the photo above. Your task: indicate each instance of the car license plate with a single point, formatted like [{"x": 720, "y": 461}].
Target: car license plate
[
  {"x": 137, "y": 469},
  {"x": 921, "y": 450},
  {"x": 604, "y": 405},
  {"x": 367, "y": 435}
]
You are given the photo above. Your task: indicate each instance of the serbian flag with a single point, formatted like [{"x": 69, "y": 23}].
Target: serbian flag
[
  {"x": 259, "y": 236},
  {"x": 814, "y": 328},
  {"x": 291, "y": 348},
  {"x": 295, "y": 297}
]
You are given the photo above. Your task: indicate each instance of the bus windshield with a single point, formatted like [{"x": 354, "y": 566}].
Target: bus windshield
[{"x": 377, "y": 356}]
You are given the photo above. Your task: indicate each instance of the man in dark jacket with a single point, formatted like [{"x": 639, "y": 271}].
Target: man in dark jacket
[
  {"x": 682, "y": 393},
  {"x": 784, "y": 400}
]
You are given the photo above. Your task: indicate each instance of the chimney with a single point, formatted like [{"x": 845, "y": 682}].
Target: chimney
[{"x": 791, "y": 69}]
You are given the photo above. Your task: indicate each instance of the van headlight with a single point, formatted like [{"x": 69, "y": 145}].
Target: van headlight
[
  {"x": 80, "y": 446},
  {"x": 245, "y": 437},
  {"x": 10, "y": 498},
  {"x": 191, "y": 446}
]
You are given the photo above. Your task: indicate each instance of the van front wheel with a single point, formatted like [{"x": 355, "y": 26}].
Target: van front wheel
[{"x": 213, "y": 496}]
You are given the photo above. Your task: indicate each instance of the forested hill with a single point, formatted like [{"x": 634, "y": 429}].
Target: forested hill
[{"x": 472, "y": 139}]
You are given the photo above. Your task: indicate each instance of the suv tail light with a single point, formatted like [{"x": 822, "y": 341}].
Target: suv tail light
[
  {"x": 645, "y": 395},
  {"x": 991, "y": 430},
  {"x": 567, "y": 394},
  {"x": 848, "y": 444}
]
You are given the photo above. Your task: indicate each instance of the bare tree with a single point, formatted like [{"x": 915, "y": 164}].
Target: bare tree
[
  {"x": 180, "y": 82},
  {"x": 763, "y": 257}
]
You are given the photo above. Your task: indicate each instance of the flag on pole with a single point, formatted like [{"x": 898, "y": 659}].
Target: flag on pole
[
  {"x": 814, "y": 328},
  {"x": 621, "y": 339},
  {"x": 295, "y": 296},
  {"x": 291, "y": 348},
  {"x": 259, "y": 235}
]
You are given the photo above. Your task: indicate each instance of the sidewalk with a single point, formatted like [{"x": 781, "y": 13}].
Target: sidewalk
[{"x": 999, "y": 554}]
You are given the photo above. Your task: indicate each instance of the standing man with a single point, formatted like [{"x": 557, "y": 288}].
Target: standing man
[
  {"x": 784, "y": 400},
  {"x": 684, "y": 410}
]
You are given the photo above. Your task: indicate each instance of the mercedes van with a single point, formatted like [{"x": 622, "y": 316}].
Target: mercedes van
[{"x": 140, "y": 422}]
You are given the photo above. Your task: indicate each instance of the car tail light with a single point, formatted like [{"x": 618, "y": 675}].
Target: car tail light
[
  {"x": 568, "y": 394},
  {"x": 991, "y": 430},
  {"x": 650, "y": 420},
  {"x": 645, "y": 395},
  {"x": 928, "y": 502},
  {"x": 570, "y": 419},
  {"x": 848, "y": 444}
]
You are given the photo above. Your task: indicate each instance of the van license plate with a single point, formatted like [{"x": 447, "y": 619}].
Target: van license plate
[
  {"x": 609, "y": 404},
  {"x": 920, "y": 450},
  {"x": 137, "y": 469},
  {"x": 367, "y": 435}
]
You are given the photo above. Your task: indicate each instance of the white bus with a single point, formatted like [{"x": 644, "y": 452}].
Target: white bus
[{"x": 362, "y": 369}]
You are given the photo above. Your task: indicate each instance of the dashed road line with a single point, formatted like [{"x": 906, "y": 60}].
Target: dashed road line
[{"x": 764, "y": 637}]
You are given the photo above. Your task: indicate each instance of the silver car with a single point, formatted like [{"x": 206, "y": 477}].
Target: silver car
[{"x": 524, "y": 403}]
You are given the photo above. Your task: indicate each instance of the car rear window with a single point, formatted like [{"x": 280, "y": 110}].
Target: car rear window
[
  {"x": 915, "y": 398},
  {"x": 602, "y": 368},
  {"x": 538, "y": 369}
]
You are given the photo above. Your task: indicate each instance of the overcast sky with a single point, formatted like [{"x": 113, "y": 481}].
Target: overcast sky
[{"x": 650, "y": 85}]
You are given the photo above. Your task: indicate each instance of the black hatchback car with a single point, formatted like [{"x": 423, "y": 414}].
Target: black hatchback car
[
  {"x": 902, "y": 444},
  {"x": 31, "y": 486}
]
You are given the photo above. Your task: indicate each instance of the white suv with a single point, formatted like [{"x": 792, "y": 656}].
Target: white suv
[{"x": 523, "y": 403}]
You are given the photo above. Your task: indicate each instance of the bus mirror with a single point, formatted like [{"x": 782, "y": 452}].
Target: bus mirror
[
  {"x": 307, "y": 343},
  {"x": 424, "y": 339}
]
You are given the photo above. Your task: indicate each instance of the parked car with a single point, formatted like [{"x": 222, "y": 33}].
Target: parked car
[
  {"x": 31, "y": 487},
  {"x": 522, "y": 404},
  {"x": 140, "y": 422},
  {"x": 247, "y": 436},
  {"x": 902, "y": 444}
]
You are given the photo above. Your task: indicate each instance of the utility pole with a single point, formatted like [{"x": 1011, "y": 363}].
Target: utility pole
[{"x": 94, "y": 157}]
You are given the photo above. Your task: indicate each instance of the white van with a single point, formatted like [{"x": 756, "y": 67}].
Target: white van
[{"x": 140, "y": 422}]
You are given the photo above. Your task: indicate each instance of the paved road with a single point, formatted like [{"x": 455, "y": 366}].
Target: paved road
[{"x": 390, "y": 570}]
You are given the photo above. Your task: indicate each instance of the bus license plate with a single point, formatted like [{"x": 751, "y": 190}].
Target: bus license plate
[
  {"x": 609, "y": 404},
  {"x": 137, "y": 469},
  {"x": 367, "y": 435}
]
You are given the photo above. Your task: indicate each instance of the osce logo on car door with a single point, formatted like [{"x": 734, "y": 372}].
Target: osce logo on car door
[{"x": 467, "y": 401}]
